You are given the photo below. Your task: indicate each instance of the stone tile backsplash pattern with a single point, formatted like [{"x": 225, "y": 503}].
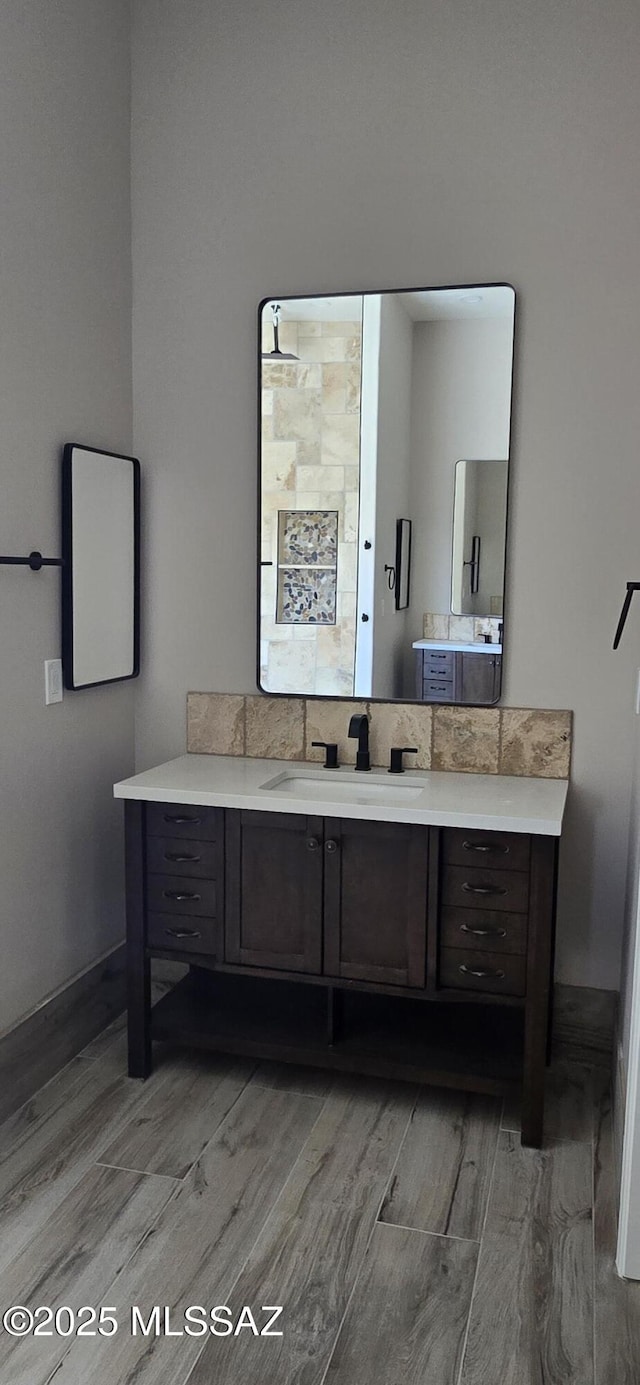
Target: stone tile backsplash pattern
[
  {"x": 310, "y": 462},
  {"x": 467, "y": 629},
  {"x": 477, "y": 740}
]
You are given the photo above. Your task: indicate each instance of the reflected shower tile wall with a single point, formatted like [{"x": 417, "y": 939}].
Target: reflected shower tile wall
[{"x": 311, "y": 461}]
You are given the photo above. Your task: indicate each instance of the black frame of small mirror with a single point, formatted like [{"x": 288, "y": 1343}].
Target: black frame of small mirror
[{"x": 363, "y": 293}]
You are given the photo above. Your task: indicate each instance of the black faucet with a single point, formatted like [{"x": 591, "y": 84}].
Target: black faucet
[{"x": 359, "y": 726}]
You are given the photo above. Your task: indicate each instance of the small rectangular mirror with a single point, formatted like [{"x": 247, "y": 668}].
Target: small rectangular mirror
[
  {"x": 384, "y": 463},
  {"x": 101, "y": 567}
]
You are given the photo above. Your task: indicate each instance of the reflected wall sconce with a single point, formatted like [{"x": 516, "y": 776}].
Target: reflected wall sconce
[{"x": 473, "y": 563}]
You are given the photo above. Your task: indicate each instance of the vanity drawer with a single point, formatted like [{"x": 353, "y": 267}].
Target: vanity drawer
[
  {"x": 180, "y": 856},
  {"x": 484, "y": 930},
  {"x": 500, "y": 850},
  {"x": 437, "y": 690},
  {"x": 174, "y": 894},
  {"x": 436, "y": 664},
  {"x": 184, "y": 820},
  {"x": 494, "y": 973},
  {"x": 188, "y": 934},
  {"x": 478, "y": 887}
]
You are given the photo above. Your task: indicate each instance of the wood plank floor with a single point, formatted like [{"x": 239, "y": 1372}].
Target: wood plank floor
[{"x": 408, "y": 1237}]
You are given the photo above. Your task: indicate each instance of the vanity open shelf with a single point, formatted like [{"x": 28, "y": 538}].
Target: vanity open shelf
[
  {"x": 348, "y": 1030},
  {"x": 411, "y": 941}
]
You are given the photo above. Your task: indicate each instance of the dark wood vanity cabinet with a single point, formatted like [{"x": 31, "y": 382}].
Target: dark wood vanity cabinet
[
  {"x": 450, "y": 675},
  {"x": 377, "y": 917},
  {"x": 328, "y": 896}
]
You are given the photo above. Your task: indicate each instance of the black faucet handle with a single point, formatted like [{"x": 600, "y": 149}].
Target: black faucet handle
[
  {"x": 331, "y": 757},
  {"x": 395, "y": 760}
]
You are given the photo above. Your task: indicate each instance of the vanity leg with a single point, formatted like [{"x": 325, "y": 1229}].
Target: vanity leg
[
  {"x": 138, "y": 965},
  {"x": 539, "y": 979},
  {"x": 334, "y": 1015}
]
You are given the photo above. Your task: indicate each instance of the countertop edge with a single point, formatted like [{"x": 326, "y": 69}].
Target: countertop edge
[{"x": 254, "y": 800}]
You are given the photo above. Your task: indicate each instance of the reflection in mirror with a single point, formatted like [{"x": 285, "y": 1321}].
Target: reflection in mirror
[
  {"x": 479, "y": 532},
  {"x": 377, "y": 409}
]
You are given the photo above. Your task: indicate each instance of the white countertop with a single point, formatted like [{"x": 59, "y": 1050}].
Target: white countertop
[
  {"x": 459, "y": 645},
  {"x": 489, "y": 802}
]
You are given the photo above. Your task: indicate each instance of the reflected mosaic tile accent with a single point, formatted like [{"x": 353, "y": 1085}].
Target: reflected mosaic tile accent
[
  {"x": 309, "y": 537},
  {"x": 307, "y": 567},
  {"x": 307, "y": 595}
]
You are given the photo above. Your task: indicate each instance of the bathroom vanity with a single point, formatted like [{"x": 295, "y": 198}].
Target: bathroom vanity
[
  {"x": 460, "y": 673},
  {"x": 400, "y": 926}
]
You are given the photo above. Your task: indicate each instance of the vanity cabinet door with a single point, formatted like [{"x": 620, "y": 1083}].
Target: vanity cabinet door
[
  {"x": 476, "y": 678},
  {"x": 274, "y": 890},
  {"x": 375, "y": 901}
]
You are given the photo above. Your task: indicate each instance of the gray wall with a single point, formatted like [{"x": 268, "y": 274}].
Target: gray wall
[
  {"x": 65, "y": 374},
  {"x": 290, "y": 148}
]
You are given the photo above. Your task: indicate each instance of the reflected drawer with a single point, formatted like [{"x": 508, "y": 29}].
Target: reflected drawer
[
  {"x": 437, "y": 665},
  {"x": 183, "y": 856},
  {"x": 185, "y": 935},
  {"x": 174, "y": 894},
  {"x": 184, "y": 820},
  {"x": 500, "y": 850},
  {"x": 484, "y": 930},
  {"x": 492, "y": 972},
  {"x": 473, "y": 887},
  {"x": 437, "y": 690}
]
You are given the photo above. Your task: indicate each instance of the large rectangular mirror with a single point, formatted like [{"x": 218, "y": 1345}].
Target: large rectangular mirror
[{"x": 384, "y": 460}]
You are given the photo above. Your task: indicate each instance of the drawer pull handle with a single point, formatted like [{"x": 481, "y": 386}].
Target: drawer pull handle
[
  {"x": 181, "y": 896},
  {"x": 182, "y": 933},
  {"x": 181, "y": 820},
  {"x": 483, "y": 975},
  {"x": 483, "y": 932},
  {"x": 180, "y": 857},
  {"x": 483, "y": 889},
  {"x": 486, "y": 847}
]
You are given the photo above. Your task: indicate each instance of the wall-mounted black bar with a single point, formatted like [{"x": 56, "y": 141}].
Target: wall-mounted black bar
[
  {"x": 34, "y": 560},
  {"x": 631, "y": 588}
]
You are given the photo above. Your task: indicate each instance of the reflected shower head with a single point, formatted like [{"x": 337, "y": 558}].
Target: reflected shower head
[{"x": 276, "y": 354}]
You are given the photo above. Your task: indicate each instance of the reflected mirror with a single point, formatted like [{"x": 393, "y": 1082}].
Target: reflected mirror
[{"x": 384, "y": 460}]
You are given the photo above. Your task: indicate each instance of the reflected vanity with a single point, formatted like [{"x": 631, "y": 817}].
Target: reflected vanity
[{"x": 384, "y": 466}]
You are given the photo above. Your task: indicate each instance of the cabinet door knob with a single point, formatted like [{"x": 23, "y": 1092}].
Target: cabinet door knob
[
  {"x": 181, "y": 896},
  {"x": 331, "y": 845},
  {"x": 483, "y": 889},
  {"x": 312, "y": 843},
  {"x": 484, "y": 975},
  {"x": 182, "y": 932}
]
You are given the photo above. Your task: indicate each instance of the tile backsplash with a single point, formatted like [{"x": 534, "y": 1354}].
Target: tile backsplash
[
  {"x": 473, "y": 629},
  {"x": 480, "y": 740}
]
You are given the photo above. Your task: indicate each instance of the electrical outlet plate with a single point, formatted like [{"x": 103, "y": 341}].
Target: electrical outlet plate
[{"x": 52, "y": 681}]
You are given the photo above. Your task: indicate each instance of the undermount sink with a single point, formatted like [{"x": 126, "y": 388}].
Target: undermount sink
[{"x": 329, "y": 785}]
